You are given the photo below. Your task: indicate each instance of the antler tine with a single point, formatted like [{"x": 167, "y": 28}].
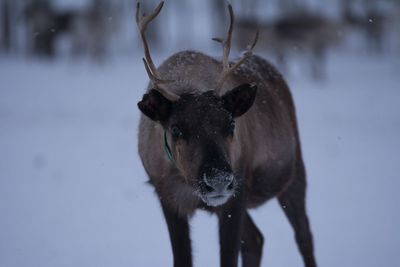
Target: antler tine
[
  {"x": 227, "y": 42},
  {"x": 226, "y": 68},
  {"x": 254, "y": 42},
  {"x": 246, "y": 55},
  {"x": 142, "y": 22}
]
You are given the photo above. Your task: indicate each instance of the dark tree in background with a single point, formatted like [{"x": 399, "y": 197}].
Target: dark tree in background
[
  {"x": 41, "y": 27},
  {"x": 7, "y": 23},
  {"x": 5, "y": 16}
]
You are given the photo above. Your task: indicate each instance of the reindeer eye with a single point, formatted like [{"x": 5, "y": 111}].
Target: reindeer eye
[{"x": 176, "y": 132}]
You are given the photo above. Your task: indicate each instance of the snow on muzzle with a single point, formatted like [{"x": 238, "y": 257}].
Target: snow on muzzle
[{"x": 217, "y": 187}]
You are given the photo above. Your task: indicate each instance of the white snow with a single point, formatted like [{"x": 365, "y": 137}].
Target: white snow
[{"x": 73, "y": 191}]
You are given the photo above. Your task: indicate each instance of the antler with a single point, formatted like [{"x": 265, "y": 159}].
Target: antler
[
  {"x": 142, "y": 22},
  {"x": 226, "y": 45}
]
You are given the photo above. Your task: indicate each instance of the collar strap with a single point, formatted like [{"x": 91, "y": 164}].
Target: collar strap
[{"x": 167, "y": 149}]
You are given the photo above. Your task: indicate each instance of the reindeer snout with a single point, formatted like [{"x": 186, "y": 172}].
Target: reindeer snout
[
  {"x": 221, "y": 184},
  {"x": 217, "y": 187}
]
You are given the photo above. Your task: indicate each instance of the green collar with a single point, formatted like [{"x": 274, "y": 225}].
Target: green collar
[{"x": 167, "y": 149}]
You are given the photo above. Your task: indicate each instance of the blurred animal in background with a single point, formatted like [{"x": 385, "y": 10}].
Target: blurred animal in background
[
  {"x": 367, "y": 18},
  {"x": 305, "y": 34},
  {"x": 87, "y": 30},
  {"x": 41, "y": 23},
  {"x": 93, "y": 29},
  {"x": 299, "y": 33}
]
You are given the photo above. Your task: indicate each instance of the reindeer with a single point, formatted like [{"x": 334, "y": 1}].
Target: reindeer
[{"x": 222, "y": 137}]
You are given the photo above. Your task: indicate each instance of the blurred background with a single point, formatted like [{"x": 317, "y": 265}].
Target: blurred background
[
  {"x": 101, "y": 30},
  {"x": 72, "y": 188}
]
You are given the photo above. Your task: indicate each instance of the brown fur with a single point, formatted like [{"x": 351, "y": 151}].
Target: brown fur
[
  {"x": 265, "y": 139},
  {"x": 264, "y": 150}
]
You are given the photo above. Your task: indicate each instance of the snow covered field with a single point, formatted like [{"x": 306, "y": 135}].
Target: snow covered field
[{"x": 73, "y": 192}]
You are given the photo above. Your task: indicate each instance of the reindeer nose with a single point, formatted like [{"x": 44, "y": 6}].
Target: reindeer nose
[{"x": 220, "y": 184}]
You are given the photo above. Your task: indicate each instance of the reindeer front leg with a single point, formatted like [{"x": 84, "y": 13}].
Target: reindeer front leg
[
  {"x": 231, "y": 219},
  {"x": 178, "y": 228}
]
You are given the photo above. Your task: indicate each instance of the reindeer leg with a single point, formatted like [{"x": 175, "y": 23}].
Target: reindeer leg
[
  {"x": 292, "y": 200},
  {"x": 178, "y": 229},
  {"x": 251, "y": 243},
  {"x": 230, "y": 220}
]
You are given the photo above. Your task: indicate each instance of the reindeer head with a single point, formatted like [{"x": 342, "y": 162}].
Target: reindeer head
[{"x": 199, "y": 128}]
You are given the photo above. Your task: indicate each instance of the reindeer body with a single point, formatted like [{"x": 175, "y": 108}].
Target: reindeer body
[
  {"x": 267, "y": 152},
  {"x": 222, "y": 137},
  {"x": 267, "y": 147}
]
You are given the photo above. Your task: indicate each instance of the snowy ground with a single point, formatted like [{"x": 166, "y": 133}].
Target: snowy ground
[{"x": 73, "y": 192}]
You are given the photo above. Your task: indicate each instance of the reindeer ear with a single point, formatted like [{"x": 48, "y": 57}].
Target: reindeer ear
[
  {"x": 155, "y": 106},
  {"x": 240, "y": 99}
]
